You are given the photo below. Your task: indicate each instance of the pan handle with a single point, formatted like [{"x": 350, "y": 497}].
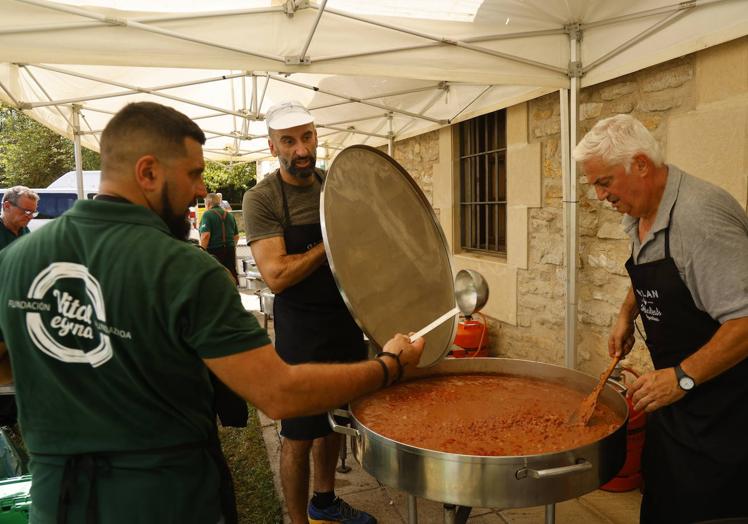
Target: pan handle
[
  {"x": 337, "y": 428},
  {"x": 580, "y": 466}
]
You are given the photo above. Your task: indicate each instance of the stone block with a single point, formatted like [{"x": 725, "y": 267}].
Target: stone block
[
  {"x": 523, "y": 175},
  {"x": 721, "y": 72},
  {"x": 516, "y": 124},
  {"x": 612, "y": 230},
  {"x": 618, "y": 107},
  {"x": 587, "y": 223},
  {"x": 710, "y": 143},
  {"x": 546, "y": 128},
  {"x": 673, "y": 77},
  {"x": 659, "y": 101},
  {"x": 617, "y": 90},
  {"x": 517, "y": 236},
  {"x": 605, "y": 261},
  {"x": 590, "y": 110}
]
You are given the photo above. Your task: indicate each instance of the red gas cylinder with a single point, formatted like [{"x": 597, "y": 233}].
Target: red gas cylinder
[
  {"x": 471, "y": 339},
  {"x": 630, "y": 475}
]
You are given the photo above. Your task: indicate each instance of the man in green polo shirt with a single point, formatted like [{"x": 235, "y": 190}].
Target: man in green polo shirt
[
  {"x": 112, "y": 320},
  {"x": 219, "y": 233},
  {"x": 19, "y": 207}
]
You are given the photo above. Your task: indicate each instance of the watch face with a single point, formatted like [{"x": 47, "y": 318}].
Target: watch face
[{"x": 686, "y": 383}]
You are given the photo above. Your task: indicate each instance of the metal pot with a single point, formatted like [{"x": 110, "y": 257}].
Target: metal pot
[
  {"x": 501, "y": 481},
  {"x": 266, "y": 301}
]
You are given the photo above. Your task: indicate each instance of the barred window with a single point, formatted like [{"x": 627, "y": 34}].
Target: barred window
[{"x": 483, "y": 183}]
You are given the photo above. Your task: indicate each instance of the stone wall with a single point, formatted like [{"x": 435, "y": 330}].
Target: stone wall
[{"x": 667, "y": 98}]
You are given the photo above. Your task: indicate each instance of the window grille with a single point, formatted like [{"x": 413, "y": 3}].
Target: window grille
[{"x": 482, "y": 171}]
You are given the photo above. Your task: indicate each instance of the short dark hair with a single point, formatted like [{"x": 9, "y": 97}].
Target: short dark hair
[{"x": 143, "y": 128}]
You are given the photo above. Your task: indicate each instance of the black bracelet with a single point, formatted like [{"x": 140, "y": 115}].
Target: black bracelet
[
  {"x": 399, "y": 364},
  {"x": 385, "y": 371}
]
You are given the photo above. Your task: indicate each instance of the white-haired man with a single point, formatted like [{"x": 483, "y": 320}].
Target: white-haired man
[
  {"x": 689, "y": 285},
  {"x": 19, "y": 207},
  {"x": 312, "y": 323}
]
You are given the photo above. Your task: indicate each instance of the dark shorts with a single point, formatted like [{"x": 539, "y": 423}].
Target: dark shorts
[
  {"x": 308, "y": 428},
  {"x": 316, "y": 426}
]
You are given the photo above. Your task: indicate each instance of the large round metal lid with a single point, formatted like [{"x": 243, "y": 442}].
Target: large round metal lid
[{"x": 386, "y": 250}]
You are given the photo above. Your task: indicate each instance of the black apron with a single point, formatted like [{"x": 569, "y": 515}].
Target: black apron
[
  {"x": 91, "y": 465},
  {"x": 312, "y": 323},
  {"x": 696, "y": 454}
]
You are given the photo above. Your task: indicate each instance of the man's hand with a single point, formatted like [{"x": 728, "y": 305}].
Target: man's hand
[
  {"x": 655, "y": 390},
  {"x": 621, "y": 338},
  {"x": 410, "y": 354}
]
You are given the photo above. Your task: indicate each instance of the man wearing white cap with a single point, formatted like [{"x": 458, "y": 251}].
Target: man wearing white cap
[{"x": 312, "y": 323}]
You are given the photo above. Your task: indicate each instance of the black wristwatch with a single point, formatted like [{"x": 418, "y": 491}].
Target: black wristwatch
[{"x": 685, "y": 382}]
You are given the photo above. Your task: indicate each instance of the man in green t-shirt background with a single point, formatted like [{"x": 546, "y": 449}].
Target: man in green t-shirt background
[
  {"x": 19, "y": 207},
  {"x": 219, "y": 233},
  {"x": 112, "y": 320}
]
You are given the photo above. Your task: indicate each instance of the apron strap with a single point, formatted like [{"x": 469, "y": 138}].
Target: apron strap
[
  {"x": 223, "y": 224},
  {"x": 286, "y": 214},
  {"x": 90, "y": 465}
]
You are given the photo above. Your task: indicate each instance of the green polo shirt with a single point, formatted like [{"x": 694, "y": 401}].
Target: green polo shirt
[
  {"x": 221, "y": 225},
  {"x": 107, "y": 317},
  {"x": 7, "y": 236}
]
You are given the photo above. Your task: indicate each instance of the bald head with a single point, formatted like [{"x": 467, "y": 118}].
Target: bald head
[{"x": 144, "y": 128}]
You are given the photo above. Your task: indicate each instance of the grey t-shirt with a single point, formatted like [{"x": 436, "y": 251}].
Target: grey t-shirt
[
  {"x": 708, "y": 242},
  {"x": 262, "y": 206}
]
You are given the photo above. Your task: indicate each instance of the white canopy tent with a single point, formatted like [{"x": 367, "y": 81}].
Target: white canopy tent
[
  {"x": 367, "y": 77},
  {"x": 370, "y": 72}
]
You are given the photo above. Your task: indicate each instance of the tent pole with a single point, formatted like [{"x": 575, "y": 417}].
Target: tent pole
[
  {"x": 391, "y": 139},
  {"x": 77, "y": 149},
  {"x": 570, "y": 115}
]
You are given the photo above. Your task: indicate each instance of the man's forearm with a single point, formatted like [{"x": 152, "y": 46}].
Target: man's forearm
[
  {"x": 725, "y": 349},
  {"x": 288, "y": 270},
  {"x": 629, "y": 309}
]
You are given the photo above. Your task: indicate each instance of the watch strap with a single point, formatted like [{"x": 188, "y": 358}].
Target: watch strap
[{"x": 680, "y": 375}]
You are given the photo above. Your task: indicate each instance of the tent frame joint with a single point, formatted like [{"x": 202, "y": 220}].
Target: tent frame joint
[
  {"x": 297, "y": 60},
  {"x": 575, "y": 31},
  {"x": 291, "y": 6},
  {"x": 575, "y": 69}
]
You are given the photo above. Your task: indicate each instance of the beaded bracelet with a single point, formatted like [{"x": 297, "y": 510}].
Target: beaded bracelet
[
  {"x": 385, "y": 372},
  {"x": 399, "y": 364}
]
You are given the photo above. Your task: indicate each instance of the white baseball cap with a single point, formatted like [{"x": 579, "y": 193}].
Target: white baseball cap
[{"x": 287, "y": 114}]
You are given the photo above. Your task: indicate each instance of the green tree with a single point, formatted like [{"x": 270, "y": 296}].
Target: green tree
[
  {"x": 231, "y": 179},
  {"x": 32, "y": 155}
]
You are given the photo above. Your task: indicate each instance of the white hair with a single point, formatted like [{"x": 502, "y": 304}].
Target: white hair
[
  {"x": 14, "y": 194},
  {"x": 616, "y": 140},
  {"x": 213, "y": 198}
]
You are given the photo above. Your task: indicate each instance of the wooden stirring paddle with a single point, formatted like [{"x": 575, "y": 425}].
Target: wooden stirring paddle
[{"x": 584, "y": 413}]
